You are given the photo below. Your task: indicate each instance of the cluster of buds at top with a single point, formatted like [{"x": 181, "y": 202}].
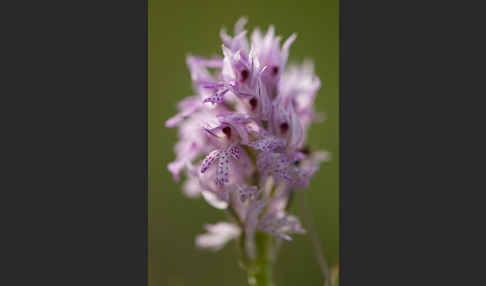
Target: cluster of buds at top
[{"x": 242, "y": 135}]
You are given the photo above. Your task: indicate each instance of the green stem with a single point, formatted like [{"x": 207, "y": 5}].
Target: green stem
[{"x": 260, "y": 268}]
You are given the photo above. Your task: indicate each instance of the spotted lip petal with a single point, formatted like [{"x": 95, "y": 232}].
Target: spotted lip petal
[
  {"x": 281, "y": 225},
  {"x": 209, "y": 160},
  {"x": 235, "y": 151},
  {"x": 267, "y": 144},
  {"x": 218, "y": 97},
  {"x": 223, "y": 169},
  {"x": 248, "y": 192}
]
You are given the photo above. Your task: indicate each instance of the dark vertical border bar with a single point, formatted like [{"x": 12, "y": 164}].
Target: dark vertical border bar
[
  {"x": 146, "y": 249},
  {"x": 367, "y": 155},
  {"x": 78, "y": 176},
  {"x": 405, "y": 73}
]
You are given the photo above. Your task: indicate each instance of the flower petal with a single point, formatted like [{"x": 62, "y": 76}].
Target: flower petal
[
  {"x": 217, "y": 235},
  {"x": 222, "y": 173},
  {"x": 217, "y": 97},
  {"x": 209, "y": 160},
  {"x": 213, "y": 200},
  {"x": 267, "y": 144},
  {"x": 235, "y": 151}
]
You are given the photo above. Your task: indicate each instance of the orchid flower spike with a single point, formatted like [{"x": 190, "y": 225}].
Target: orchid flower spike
[{"x": 242, "y": 136}]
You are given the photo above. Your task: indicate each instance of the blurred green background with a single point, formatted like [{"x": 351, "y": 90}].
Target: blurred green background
[{"x": 174, "y": 220}]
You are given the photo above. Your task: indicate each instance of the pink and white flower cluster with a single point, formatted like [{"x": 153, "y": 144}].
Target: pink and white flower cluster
[{"x": 242, "y": 135}]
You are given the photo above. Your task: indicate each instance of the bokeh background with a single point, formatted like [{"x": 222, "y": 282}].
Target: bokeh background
[{"x": 174, "y": 220}]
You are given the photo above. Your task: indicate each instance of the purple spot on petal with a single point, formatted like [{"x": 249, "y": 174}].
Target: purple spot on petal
[
  {"x": 284, "y": 127},
  {"x": 244, "y": 75},
  {"x": 274, "y": 71},
  {"x": 253, "y": 103}
]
